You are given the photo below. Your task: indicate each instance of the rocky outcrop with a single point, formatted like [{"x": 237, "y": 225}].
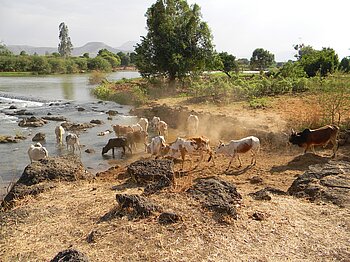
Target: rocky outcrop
[
  {"x": 329, "y": 183},
  {"x": 55, "y": 118},
  {"x": 70, "y": 255},
  {"x": 153, "y": 174},
  {"x": 42, "y": 175},
  {"x": 39, "y": 137},
  {"x": 76, "y": 126},
  {"x": 216, "y": 195},
  {"x": 265, "y": 194},
  {"x": 131, "y": 206},
  {"x": 32, "y": 122},
  {"x": 11, "y": 139}
]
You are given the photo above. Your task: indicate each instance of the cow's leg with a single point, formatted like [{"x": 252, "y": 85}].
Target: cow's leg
[
  {"x": 335, "y": 146},
  {"x": 306, "y": 148},
  {"x": 230, "y": 162},
  {"x": 240, "y": 163},
  {"x": 123, "y": 150},
  {"x": 200, "y": 160},
  {"x": 183, "y": 155},
  {"x": 313, "y": 149},
  {"x": 113, "y": 152},
  {"x": 129, "y": 149},
  {"x": 253, "y": 162}
]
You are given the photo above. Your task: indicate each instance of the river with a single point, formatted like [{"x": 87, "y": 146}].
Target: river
[{"x": 59, "y": 95}]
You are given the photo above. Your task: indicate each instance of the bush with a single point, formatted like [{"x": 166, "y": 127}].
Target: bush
[
  {"x": 96, "y": 77},
  {"x": 257, "y": 103}
]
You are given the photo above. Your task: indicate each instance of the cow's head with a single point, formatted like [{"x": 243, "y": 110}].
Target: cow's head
[
  {"x": 220, "y": 148},
  {"x": 299, "y": 138},
  {"x": 104, "y": 150}
]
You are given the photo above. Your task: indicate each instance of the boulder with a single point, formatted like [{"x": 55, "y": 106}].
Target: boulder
[
  {"x": 329, "y": 183},
  {"x": 265, "y": 194},
  {"x": 169, "y": 218},
  {"x": 97, "y": 122},
  {"x": 39, "y": 137},
  {"x": 132, "y": 206},
  {"x": 76, "y": 126},
  {"x": 70, "y": 255},
  {"x": 42, "y": 175},
  {"x": 32, "y": 122},
  {"x": 55, "y": 118},
  {"x": 216, "y": 195},
  {"x": 154, "y": 174},
  {"x": 112, "y": 112}
]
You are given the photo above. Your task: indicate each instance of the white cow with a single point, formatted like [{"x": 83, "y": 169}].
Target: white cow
[
  {"x": 192, "y": 125},
  {"x": 156, "y": 146},
  {"x": 37, "y": 152},
  {"x": 136, "y": 127},
  {"x": 160, "y": 126},
  {"x": 236, "y": 147},
  {"x": 143, "y": 122},
  {"x": 72, "y": 141},
  {"x": 59, "y": 131},
  {"x": 155, "y": 121}
]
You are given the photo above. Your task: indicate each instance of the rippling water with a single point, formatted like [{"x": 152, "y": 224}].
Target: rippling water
[{"x": 56, "y": 95}]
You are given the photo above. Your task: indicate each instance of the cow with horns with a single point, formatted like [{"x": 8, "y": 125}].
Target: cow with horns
[{"x": 321, "y": 136}]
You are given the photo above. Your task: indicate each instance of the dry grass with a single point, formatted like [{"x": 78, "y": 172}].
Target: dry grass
[{"x": 293, "y": 229}]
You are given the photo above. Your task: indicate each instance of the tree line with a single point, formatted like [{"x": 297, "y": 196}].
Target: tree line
[
  {"x": 178, "y": 44},
  {"x": 54, "y": 63}
]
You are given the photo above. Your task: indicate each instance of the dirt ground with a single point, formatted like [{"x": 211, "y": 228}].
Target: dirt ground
[{"x": 291, "y": 229}]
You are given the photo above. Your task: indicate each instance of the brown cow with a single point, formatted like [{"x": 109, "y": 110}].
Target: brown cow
[
  {"x": 321, "y": 136},
  {"x": 122, "y": 129},
  {"x": 137, "y": 137},
  {"x": 190, "y": 146}
]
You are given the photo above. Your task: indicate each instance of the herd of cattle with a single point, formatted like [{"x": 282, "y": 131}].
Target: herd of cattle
[{"x": 127, "y": 137}]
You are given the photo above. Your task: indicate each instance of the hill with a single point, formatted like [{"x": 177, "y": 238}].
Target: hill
[{"x": 92, "y": 48}]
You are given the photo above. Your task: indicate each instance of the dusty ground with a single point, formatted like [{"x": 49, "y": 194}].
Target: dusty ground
[{"x": 292, "y": 229}]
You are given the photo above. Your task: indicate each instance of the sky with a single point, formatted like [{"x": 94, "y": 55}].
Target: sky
[{"x": 238, "y": 26}]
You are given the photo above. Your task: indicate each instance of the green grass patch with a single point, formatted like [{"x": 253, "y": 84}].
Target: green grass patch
[
  {"x": 16, "y": 74},
  {"x": 259, "y": 102}
]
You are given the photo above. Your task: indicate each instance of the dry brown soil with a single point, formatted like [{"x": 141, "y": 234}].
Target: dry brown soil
[{"x": 292, "y": 229}]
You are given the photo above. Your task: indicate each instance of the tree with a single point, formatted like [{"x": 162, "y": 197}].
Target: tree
[
  {"x": 112, "y": 58},
  {"x": 4, "y": 51},
  {"x": 65, "y": 46},
  {"x": 261, "y": 59},
  {"x": 177, "y": 42},
  {"x": 303, "y": 50},
  {"x": 323, "y": 61},
  {"x": 228, "y": 63},
  {"x": 345, "y": 65}
]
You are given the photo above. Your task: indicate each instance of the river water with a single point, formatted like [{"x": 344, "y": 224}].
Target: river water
[{"x": 59, "y": 95}]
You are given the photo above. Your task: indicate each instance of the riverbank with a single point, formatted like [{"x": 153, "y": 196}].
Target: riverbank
[{"x": 279, "y": 229}]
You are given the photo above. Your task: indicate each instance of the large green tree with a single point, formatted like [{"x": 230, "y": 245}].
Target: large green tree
[
  {"x": 227, "y": 63},
  {"x": 345, "y": 64},
  {"x": 323, "y": 61},
  {"x": 177, "y": 42},
  {"x": 261, "y": 59},
  {"x": 65, "y": 46}
]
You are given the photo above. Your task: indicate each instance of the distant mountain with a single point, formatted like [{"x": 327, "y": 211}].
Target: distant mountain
[{"x": 92, "y": 48}]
